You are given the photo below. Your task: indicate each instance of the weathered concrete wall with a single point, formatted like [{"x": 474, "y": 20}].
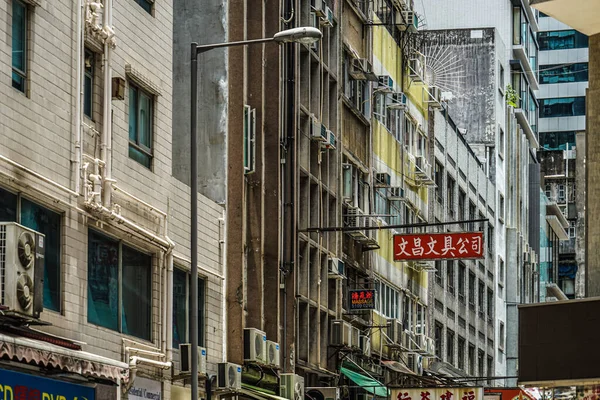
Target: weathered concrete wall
[
  {"x": 592, "y": 205},
  {"x": 580, "y": 182},
  {"x": 203, "y": 22},
  {"x": 474, "y": 104}
]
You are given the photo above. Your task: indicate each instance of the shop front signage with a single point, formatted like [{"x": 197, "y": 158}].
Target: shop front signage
[
  {"x": 17, "y": 386},
  {"x": 465, "y": 393},
  {"x": 362, "y": 299},
  {"x": 438, "y": 246},
  {"x": 144, "y": 389}
]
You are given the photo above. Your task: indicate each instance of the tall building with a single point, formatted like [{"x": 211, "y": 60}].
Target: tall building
[
  {"x": 583, "y": 17},
  {"x": 86, "y": 160},
  {"x": 563, "y": 84},
  {"x": 483, "y": 57},
  {"x": 464, "y": 291}
]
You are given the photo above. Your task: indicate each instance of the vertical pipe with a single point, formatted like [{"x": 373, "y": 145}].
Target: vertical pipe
[
  {"x": 169, "y": 302},
  {"x": 106, "y": 152},
  {"x": 194, "y": 218},
  {"x": 79, "y": 98}
]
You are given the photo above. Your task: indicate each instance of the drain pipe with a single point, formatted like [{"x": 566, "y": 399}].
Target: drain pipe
[
  {"x": 79, "y": 96},
  {"x": 106, "y": 146}
]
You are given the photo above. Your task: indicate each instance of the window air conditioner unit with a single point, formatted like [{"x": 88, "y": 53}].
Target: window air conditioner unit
[
  {"x": 327, "y": 19},
  {"x": 430, "y": 346},
  {"x": 325, "y": 393},
  {"x": 355, "y": 337},
  {"x": 318, "y": 7},
  {"x": 382, "y": 179},
  {"x": 416, "y": 69},
  {"x": 229, "y": 376},
  {"x": 394, "y": 331},
  {"x": 385, "y": 84},
  {"x": 185, "y": 351},
  {"x": 434, "y": 95},
  {"x": 364, "y": 342},
  {"x": 317, "y": 130},
  {"x": 291, "y": 386},
  {"x": 341, "y": 333},
  {"x": 411, "y": 20},
  {"x": 22, "y": 266},
  {"x": 255, "y": 345},
  {"x": 331, "y": 142},
  {"x": 273, "y": 354},
  {"x": 406, "y": 340},
  {"x": 396, "y": 193},
  {"x": 336, "y": 267},
  {"x": 361, "y": 70},
  {"x": 422, "y": 164},
  {"x": 399, "y": 101}
]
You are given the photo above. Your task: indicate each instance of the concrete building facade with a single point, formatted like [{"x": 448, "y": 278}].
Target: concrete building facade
[{"x": 86, "y": 159}]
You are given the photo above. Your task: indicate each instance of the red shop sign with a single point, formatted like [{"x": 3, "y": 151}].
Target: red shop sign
[{"x": 438, "y": 246}]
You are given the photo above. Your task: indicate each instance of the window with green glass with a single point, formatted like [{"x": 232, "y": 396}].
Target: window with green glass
[
  {"x": 146, "y": 5},
  {"x": 47, "y": 222},
  {"x": 181, "y": 307},
  {"x": 560, "y": 40},
  {"x": 141, "y": 115},
  {"x": 562, "y": 107},
  {"x": 564, "y": 73},
  {"x": 19, "y": 45},
  {"x": 88, "y": 84},
  {"x": 119, "y": 286}
]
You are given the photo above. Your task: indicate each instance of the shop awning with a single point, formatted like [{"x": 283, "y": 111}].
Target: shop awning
[
  {"x": 50, "y": 355},
  {"x": 398, "y": 367},
  {"x": 371, "y": 385},
  {"x": 258, "y": 393}
]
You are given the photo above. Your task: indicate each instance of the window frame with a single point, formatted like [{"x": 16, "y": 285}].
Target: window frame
[
  {"x": 18, "y": 218},
  {"x": 201, "y": 307},
  {"x": 147, "y": 5},
  {"x": 145, "y": 151},
  {"x": 21, "y": 73},
  {"x": 121, "y": 245},
  {"x": 91, "y": 75}
]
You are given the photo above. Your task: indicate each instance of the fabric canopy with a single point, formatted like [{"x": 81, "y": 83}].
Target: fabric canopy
[
  {"x": 258, "y": 393},
  {"x": 371, "y": 385}
]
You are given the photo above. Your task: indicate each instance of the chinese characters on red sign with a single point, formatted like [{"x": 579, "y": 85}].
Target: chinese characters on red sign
[
  {"x": 438, "y": 246},
  {"x": 470, "y": 393},
  {"x": 363, "y": 299}
]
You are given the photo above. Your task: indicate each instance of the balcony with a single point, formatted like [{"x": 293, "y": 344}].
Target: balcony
[
  {"x": 582, "y": 15},
  {"x": 522, "y": 118},
  {"x": 526, "y": 52}
]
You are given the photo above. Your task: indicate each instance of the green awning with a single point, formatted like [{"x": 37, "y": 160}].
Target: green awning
[{"x": 371, "y": 385}]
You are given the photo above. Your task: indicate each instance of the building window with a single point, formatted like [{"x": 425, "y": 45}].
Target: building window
[
  {"x": 88, "y": 84},
  {"x": 439, "y": 179},
  {"x": 490, "y": 238},
  {"x": 561, "y": 40},
  {"x": 439, "y": 278},
  {"x": 461, "y": 353},
  {"x": 140, "y": 125},
  {"x": 438, "y": 339},
  {"x": 572, "y": 228},
  {"x": 561, "y": 193},
  {"x": 19, "y": 45},
  {"x": 389, "y": 300},
  {"x": 490, "y": 304},
  {"x": 472, "y": 290},
  {"x": 181, "y": 307},
  {"x": 501, "y": 336},
  {"x": 450, "y": 195},
  {"x": 450, "y": 346},
  {"x": 501, "y": 77},
  {"x": 119, "y": 286},
  {"x": 557, "y": 140},
  {"x": 47, "y": 222},
  {"x": 471, "y": 359},
  {"x": 480, "y": 361},
  {"x": 490, "y": 370},
  {"x": 564, "y": 73},
  {"x": 462, "y": 200},
  {"x": 461, "y": 281},
  {"x": 501, "y": 141},
  {"x": 146, "y": 5},
  {"x": 501, "y": 209},
  {"x": 471, "y": 216},
  {"x": 450, "y": 276},
  {"x": 562, "y": 107},
  {"x": 480, "y": 297}
]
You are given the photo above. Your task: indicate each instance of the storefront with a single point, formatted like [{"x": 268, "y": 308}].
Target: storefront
[{"x": 54, "y": 369}]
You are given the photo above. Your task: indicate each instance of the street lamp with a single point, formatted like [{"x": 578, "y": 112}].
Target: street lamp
[{"x": 296, "y": 35}]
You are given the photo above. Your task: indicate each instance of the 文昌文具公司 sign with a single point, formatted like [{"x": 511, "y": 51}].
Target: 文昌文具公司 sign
[
  {"x": 17, "y": 386},
  {"x": 362, "y": 299}
]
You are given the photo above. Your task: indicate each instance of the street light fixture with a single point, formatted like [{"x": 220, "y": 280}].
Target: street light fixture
[{"x": 305, "y": 35}]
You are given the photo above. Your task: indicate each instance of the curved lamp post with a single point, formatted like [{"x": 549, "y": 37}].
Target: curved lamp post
[{"x": 295, "y": 35}]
